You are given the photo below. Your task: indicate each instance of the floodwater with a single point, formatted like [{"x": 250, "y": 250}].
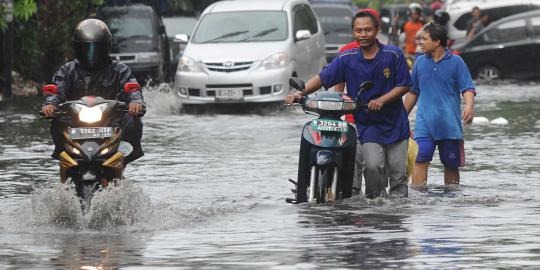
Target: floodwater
[{"x": 210, "y": 194}]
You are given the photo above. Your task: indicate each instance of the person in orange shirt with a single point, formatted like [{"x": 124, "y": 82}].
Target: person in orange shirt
[{"x": 411, "y": 27}]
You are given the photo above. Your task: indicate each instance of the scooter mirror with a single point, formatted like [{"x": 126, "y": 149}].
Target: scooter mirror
[
  {"x": 50, "y": 89},
  {"x": 365, "y": 86},
  {"x": 131, "y": 87},
  {"x": 297, "y": 84}
]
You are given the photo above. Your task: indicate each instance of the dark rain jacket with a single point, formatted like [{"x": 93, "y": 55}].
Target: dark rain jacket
[{"x": 74, "y": 82}]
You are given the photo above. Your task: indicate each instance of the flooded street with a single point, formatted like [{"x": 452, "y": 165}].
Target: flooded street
[{"x": 210, "y": 194}]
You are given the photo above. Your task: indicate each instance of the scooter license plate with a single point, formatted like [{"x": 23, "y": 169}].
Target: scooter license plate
[
  {"x": 229, "y": 94},
  {"x": 329, "y": 125},
  {"x": 90, "y": 133}
]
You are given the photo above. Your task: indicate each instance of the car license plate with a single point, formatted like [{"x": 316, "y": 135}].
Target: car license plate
[
  {"x": 90, "y": 133},
  {"x": 329, "y": 125},
  {"x": 229, "y": 94}
]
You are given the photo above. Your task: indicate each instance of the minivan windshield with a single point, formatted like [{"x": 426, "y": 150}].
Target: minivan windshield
[
  {"x": 131, "y": 31},
  {"x": 242, "y": 26}
]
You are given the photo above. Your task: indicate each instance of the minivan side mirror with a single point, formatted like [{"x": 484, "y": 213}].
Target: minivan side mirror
[
  {"x": 181, "y": 38},
  {"x": 302, "y": 35}
]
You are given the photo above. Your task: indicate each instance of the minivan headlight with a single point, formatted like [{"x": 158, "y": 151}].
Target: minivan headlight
[
  {"x": 187, "y": 64},
  {"x": 277, "y": 60}
]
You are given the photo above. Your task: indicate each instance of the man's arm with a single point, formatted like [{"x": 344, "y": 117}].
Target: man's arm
[
  {"x": 134, "y": 99},
  {"x": 394, "y": 94},
  {"x": 311, "y": 86},
  {"x": 61, "y": 80},
  {"x": 410, "y": 100},
  {"x": 468, "y": 112}
]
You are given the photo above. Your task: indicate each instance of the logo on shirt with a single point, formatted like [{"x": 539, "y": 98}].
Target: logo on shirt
[{"x": 386, "y": 73}]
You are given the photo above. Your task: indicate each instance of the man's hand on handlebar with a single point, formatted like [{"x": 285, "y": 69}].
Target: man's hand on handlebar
[
  {"x": 48, "y": 110},
  {"x": 375, "y": 105},
  {"x": 294, "y": 97},
  {"x": 134, "y": 109}
]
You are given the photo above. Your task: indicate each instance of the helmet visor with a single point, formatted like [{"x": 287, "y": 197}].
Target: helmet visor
[{"x": 92, "y": 54}]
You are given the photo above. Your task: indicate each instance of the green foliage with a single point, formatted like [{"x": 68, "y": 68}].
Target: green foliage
[
  {"x": 43, "y": 42},
  {"x": 22, "y": 10}
]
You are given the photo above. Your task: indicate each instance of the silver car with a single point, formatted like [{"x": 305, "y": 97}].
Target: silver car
[{"x": 246, "y": 51}]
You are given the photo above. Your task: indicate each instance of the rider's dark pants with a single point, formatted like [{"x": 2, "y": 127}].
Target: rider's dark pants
[{"x": 132, "y": 133}]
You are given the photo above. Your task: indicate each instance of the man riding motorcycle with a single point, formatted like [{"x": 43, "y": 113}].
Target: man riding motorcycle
[{"x": 93, "y": 73}]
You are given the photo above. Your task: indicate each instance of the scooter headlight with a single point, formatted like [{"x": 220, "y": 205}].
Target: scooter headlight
[
  {"x": 349, "y": 106},
  {"x": 330, "y": 105},
  {"x": 312, "y": 104},
  {"x": 91, "y": 114}
]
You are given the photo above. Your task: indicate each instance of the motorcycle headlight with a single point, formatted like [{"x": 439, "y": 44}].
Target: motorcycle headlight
[
  {"x": 312, "y": 104},
  {"x": 91, "y": 114},
  {"x": 330, "y": 105},
  {"x": 277, "y": 60},
  {"x": 187, "y": 64}
]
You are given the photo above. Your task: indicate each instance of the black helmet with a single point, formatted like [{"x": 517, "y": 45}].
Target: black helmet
[{"x": 92, "y": 44}]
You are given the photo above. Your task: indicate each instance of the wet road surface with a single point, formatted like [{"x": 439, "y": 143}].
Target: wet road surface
[{"x": 210, "y": 194}]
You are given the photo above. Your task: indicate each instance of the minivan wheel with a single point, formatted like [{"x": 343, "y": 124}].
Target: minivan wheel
[{"x": 488, "y": 73}]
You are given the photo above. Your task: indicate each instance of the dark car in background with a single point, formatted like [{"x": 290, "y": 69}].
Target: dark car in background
[
  {"x": 139, "y": 40},
  {"x": 336, "y": 23},
  {"x": 508, "y": 48}
]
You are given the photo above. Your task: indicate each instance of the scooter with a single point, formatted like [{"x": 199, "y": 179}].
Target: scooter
[
  {"x": 328, "y": 146},
  {"x": 91, "y": 129}
]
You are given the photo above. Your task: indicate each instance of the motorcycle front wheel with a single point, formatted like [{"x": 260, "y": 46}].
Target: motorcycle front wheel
[{"x": 85, "y": 192}]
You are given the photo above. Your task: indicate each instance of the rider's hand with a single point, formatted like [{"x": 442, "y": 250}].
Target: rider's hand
[
  {"x": 467, "y": 115},
  {"x": 375, "y": 105},
  {"x": 48, "y": 110},
  {"x": 294, "y": 97},
  {"x": 134, "y": 108}
]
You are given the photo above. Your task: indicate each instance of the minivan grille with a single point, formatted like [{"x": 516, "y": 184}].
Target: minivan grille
[{"x": 228, "y": 66}]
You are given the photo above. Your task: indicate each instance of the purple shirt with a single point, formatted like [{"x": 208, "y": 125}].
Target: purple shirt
[{"x": 387, "y": 70}]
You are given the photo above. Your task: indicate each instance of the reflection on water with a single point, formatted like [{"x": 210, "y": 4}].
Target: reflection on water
[{"x": 209, "y": 193}]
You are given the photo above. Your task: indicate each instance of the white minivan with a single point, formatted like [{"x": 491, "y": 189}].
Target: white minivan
[{"x": 245, "y": 51}]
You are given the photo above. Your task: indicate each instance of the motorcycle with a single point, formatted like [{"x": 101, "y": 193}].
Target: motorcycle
[
  {"x": 91, "y": 129},
  {"x": 328, "y": 146}
]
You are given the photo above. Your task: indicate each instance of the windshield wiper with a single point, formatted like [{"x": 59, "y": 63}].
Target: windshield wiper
[
  {"x": 231, "y": 34},
  {"x": 337, "y": 30},
  {"x": 261, "y": 34}
]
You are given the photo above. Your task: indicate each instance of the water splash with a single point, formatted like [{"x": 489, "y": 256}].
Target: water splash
[
  {"x": 161, "y": 100},
  {"x": 124, "y": 204}
]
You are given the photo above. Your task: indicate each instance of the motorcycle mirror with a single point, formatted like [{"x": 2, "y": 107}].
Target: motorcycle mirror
[
  {"x": 365, "y": 86},
  {"x": 131, "y": 87},
  {"x": 50, "y": 89},
  {"x": 297, "y": 84}
]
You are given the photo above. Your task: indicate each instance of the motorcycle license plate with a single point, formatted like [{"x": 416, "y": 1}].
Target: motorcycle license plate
[
  {"x": 329, "y": 125},
  {"x": 90, "y": 133},
  {"x": 229, "y": 94}
]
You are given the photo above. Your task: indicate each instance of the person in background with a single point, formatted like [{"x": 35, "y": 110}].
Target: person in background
[
  {"x": 410, "y": 28},
  {"x": 436, "y": 5},
  {"x": 383, "y": 129},
  {"x": 475, "y": 16},
  {"x": 478, "y": 26},
  {"x": 438, "y": 79}
]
